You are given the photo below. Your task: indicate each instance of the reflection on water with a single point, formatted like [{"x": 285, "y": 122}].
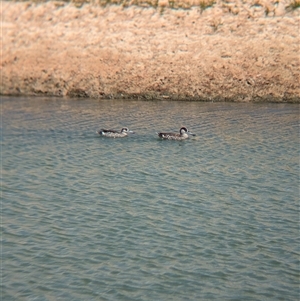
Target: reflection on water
[{"x": 90, "y": 218}]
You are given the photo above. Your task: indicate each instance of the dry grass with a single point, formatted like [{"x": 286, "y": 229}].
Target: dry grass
[
  {"x": 230, "y": 52},
  {"x": 293, "y": 5},
  {"x": 233, "y": 7},
  {"x": 204, "y": 4}
]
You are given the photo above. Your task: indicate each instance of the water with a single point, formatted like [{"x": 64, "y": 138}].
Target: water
[{"x": 91, "y": 218}]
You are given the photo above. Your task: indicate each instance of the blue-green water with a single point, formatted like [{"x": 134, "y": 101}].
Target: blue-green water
[{"x": 85, "y": 217}]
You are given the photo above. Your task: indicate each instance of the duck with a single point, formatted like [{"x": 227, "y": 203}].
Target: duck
[
  {"x": 183, "y": 134},
  {"x": 115, "y": 134}
]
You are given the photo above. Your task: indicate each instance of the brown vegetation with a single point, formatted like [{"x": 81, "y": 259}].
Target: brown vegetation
[{"x": 210, "y": 50}]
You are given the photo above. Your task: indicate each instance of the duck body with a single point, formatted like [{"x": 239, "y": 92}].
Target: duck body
[
  {"x": 182, "y": 135},
  {"x": 114, "y": 134}
]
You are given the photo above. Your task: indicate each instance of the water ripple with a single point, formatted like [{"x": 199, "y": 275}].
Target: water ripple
[{"x": 89, "y": 218}]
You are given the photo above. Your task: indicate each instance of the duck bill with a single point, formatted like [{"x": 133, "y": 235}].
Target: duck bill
[
  {"x": 192, "y": 134},
  {"x": 131, "y": 132}
]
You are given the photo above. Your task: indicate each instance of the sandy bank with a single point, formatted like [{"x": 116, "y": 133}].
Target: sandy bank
[{"x": 218, "y": 54}]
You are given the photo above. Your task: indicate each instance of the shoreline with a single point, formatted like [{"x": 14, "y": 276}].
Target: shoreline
[{"x": 62, "y": 50}]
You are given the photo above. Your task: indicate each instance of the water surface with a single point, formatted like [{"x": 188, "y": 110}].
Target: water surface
[{"x": 91, "y": 218}]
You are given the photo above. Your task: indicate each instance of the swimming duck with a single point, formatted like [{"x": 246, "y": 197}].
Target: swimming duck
[
  {"x": 115, "y": 134},
  {"x": 183, "y": 134}
]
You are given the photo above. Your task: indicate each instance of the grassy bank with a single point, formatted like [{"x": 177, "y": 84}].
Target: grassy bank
[
  {"x": 234, "y": 7},
  {"x": 202, "y": 50}
]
